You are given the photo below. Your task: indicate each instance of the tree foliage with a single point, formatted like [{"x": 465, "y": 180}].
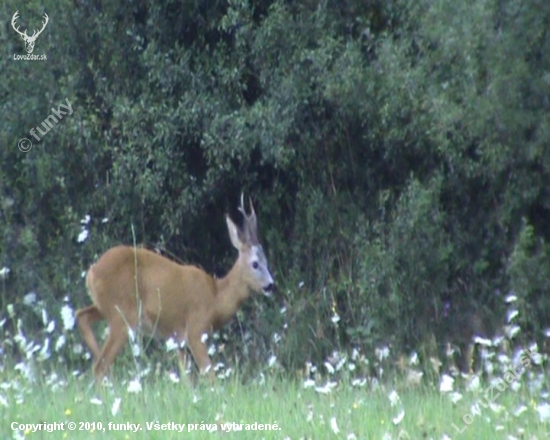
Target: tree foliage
[{"x": 397, "y": 152}]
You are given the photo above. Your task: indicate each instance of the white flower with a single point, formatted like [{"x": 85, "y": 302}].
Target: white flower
[
  {"x": 544, "y": 412},
  {"x": 483, "y": 341},
  {"x": 96, "y": 401},
  {"x": 51, "y": 326},
  {"x": 4, "y": 272},
  {"x": 326, "y": 389},
  {"x": 359, "y": 382},
  {"x": 511, "y": 330},
  {"x": 520, "y": 410},
  {"x": 67, "y": 316},
  {"x": 136, "y": 349},
  {"x": 329, "y": 368},
  {"x": 134, "y": 386},
  {"x": 446, "y": 384},
  {"x": 29, "y": 298},
  {"x": 474, "y": 384},
  {"x": 45, "y": 351},
  {"x": 60, "y": 342},
  {"x": 512, "y": 314},
  {"x": 334, "y": 425},
  {"x": 399, "y": 418},
  {"x": 394, "y": 398},
  {"x": 511, "y": 298},
  {"x": 272, "y": 360},
  {"x": 382, "y": 353},
  {"x": 83, "y": 236},
  {"x": 309, "y": 383},
  {"x": 116, "y": 406},
  {"x": 455, "y": 396}
]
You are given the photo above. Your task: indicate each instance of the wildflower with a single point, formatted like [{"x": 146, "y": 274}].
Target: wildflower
[
  {"x": 29, "y": 299},
  {"x": 171, "y": 344},
  {"x": 67, "y": 316},
  {"x": 334, "y": 425},
  {"x": 399, "y": 418},
  {"x": 511, "y": 315},
  {"x": 455, "y": 397},
  {"x": 134, "y": 386},
  {"x": 329, "y": 367},
  {"x": 511, "y": 330},
  {"x": 83, "y": 236},
  {"x": 483, "y": 341},
  {"x": 544, "y": 412},
  {"x": 60, "y": 342},
  {"x": 382, "y": 353},
  {"x": 474, "y": 384},
  {"x": 116, "y": 406},
  {"x": 520, "y": 410},
  {"x": 4, "y": 272},
  {"x": 511, "y": 298},
  {"x": 327, "y": 388},
  {"x": 173, "y": 377},
  {"x": 394, "y": 398},
  {"x": 446, "y": 384}
]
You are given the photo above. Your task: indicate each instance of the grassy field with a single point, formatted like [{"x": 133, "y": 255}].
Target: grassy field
[
  {"x": 352, "y": 395},
  {"x": 291, "y": 409}
]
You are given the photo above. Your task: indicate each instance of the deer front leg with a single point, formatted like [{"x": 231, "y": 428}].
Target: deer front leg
[{"x": 200, "y": 354}]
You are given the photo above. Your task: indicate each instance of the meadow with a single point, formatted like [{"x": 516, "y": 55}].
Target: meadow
[
  {"x": 47, "y": 390},
  {"x": 159, "y": 408}
]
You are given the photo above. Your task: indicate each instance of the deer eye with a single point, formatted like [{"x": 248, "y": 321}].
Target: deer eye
[{"x": 255, "y": 265}]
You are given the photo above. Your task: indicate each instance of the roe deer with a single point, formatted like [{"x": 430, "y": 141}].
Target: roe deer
[{"x": 132, "y": 286}]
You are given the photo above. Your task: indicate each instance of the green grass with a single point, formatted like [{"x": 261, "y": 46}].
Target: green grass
[{"x": 298, "y": 412}]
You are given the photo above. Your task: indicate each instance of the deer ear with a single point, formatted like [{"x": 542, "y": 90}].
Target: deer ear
[{"x": 233, "y": 233}]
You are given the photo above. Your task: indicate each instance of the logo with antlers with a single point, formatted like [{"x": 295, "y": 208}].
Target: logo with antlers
[{"x": 29, "y": 41}]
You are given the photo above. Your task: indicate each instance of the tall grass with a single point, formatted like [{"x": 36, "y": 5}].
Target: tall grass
[{"x": 45, "y": 378}]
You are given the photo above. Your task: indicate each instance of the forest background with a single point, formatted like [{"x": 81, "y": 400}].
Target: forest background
[{"x": 397, "y": 153}]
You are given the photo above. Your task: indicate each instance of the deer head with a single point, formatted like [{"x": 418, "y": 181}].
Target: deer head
[{"x": 29, "y": 41}]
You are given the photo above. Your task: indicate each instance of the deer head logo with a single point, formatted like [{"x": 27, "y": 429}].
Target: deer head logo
[{"x": 29, "y": 41}]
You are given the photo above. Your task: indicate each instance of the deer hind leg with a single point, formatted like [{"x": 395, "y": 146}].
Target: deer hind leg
[
  {"x": 118, "y": 335},
  {"x": 86, "y": 317}
]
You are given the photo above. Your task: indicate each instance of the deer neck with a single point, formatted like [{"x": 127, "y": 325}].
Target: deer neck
[{"x": 232, "y": 291}]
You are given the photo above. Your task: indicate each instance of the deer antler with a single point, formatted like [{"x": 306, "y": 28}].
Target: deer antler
[{"x": 250, "y": 227}]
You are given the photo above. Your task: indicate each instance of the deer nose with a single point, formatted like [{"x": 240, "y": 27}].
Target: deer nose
[{"x": 269, "y": 289}]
